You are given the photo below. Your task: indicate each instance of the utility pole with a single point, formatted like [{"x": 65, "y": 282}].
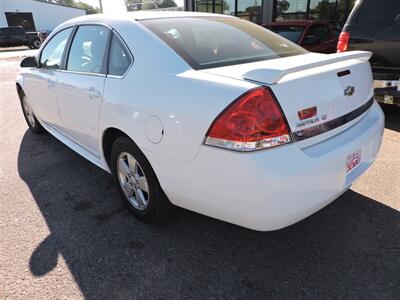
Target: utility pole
[{"x": 101, "y": 6}]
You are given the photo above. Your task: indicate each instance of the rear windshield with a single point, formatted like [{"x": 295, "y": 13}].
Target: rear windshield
[
  {"x": 207, "y": 42},
  {"x": 379, "y": 12},
  {"x": 292, "y": 33}
]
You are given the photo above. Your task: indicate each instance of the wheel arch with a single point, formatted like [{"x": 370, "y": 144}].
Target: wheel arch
[
  {"x": 20, "y": 91},
  {"x": 110, "y": 135},
  {"x": 108, "y": 139}
]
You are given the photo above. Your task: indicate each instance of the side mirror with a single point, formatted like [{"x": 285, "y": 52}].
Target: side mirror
[
  {"x": 311, "y": 40},
  {"x": 29, "y": 62}
]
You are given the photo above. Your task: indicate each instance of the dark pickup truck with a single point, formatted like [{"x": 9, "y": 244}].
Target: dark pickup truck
[
  {"x": 375, "y": 26},
  {"x": 16, "y": 36}
]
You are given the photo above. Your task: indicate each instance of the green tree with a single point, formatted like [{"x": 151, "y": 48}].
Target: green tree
[
  {"x": 282, "y": 6},
  {"x": 325, "y": 10},
  {"x": 70, "y": 3},
  {"x": 87, "y": 7},
  {"x": 81, "y": 5},
  {"x": 167, "y": 3}
]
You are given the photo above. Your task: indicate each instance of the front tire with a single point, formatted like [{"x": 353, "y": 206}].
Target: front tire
[
  {"x": 137, "y": 183},
  {"x": 30, "y": 117}
]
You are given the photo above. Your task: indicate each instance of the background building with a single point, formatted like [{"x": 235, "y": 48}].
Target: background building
[
  {"x": 263, "y": 11},
  {"x": 35, "y": 15}
]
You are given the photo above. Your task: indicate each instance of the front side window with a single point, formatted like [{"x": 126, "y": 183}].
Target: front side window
[
  {"x": 120, "y": 59},
  {"x": 206, "y": 42},
  {"x": 52, "y": 53},
  {"x": 88, "y": 49}
]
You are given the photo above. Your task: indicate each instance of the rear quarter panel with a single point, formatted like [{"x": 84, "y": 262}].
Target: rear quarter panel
[{"x": 160, "y": 83}]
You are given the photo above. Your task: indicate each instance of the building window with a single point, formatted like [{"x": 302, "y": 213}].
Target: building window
[
  {"x": 226, "y": 7},
  {"x": 322, "y": 10},
  {"x": 250, "y": 10},
  {"x": 203, "y": 5},
  {"x": 332, "y": 11},
  {"x": 290, "y": 10},
  {"x": 246, "y": 9}
]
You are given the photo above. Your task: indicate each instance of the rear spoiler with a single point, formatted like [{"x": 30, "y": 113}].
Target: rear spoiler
[{"x": 277, "y": 69}]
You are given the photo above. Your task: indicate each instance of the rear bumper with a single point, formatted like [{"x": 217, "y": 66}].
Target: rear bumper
[{"x": 272, "y": 189}]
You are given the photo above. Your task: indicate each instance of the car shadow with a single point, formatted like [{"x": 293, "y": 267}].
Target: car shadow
[
  {"x": 392, "y": 117},
  {"x": 350, "y": 249}
]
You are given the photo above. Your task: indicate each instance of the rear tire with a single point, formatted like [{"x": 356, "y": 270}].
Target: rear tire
[
  {"x": 30, "y": 117},
  {"x": 137, "y": 183}
]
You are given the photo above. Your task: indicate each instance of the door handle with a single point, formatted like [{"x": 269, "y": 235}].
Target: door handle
[{"x": 94, "y": 93}]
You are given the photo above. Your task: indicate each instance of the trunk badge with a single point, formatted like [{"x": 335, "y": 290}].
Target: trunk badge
[
  {"x": 349, "y": 91},
  {"x": 307, "y": 113}
]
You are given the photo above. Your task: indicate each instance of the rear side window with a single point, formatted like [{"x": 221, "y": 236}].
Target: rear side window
[
  {"x": 52, "y": 53},
  {"x": 88, "y": 49},
  {"x": 292, "y": 33},
  {"x": 379, "y": 12},
  {"x": 206, "y": 42},
  {"x": 120, "y": 58}
]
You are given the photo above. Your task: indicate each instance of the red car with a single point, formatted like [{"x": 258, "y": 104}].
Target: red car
[{"x": 315, "y": 36}]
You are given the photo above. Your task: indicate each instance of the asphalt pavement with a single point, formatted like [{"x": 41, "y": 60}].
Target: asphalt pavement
[
  {"x": 16, "y": 52},
  {"x": 65, "y": 234}
]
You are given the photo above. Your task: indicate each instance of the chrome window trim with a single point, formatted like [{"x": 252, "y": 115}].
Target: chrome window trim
[{"x": 83, "y": 73}]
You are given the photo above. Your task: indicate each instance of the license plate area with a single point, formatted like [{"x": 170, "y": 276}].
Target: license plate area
[{"x": 353, "y": 160}]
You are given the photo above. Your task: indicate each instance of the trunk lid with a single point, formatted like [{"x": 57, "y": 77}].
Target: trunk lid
[{"x": 320, "y": 94}]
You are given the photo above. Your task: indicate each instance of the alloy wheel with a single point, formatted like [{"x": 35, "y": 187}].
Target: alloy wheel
[{"x": 133, "y": 181}]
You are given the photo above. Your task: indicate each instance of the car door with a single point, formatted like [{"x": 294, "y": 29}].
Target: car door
[
  {"x": 323, "y": 44},
  {"x": 80, "y": 85},
  {"x": 40, "y": 82}
]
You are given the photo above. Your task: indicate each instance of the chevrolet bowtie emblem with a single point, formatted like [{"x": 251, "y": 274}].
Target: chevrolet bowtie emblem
[{"x": 349, "y": 90}]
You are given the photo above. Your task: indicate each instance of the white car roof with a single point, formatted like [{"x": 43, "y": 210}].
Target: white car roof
[{"x": 136, "y": 16}]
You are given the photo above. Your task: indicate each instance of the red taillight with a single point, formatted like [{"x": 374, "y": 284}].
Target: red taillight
[
  {"x": 343, "y": 43},
  {"x": 252, "y": 122}
]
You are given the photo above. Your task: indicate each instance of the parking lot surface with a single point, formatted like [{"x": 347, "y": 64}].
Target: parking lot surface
[
  {"x": 15, "y": 53},
  {"x": 65, "y": 234}
]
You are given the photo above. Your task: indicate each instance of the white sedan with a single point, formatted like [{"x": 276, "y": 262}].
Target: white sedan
[{"x": 207, "y": 112}]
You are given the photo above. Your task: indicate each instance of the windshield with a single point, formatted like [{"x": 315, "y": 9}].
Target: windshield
[
  {"x": 292, "y": 33},
  {"x": 207, "y": 42}
]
